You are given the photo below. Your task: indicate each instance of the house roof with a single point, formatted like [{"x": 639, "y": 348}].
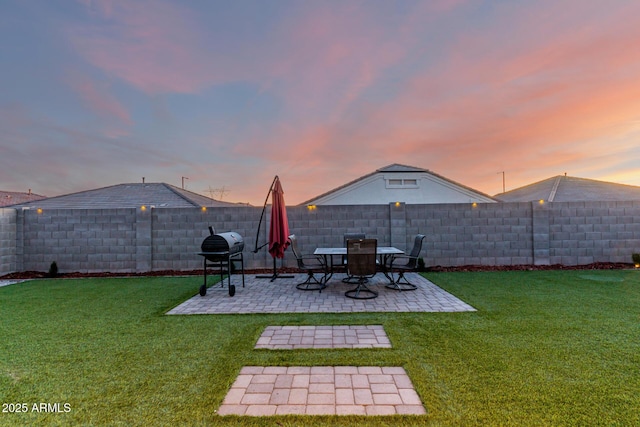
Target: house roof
[
  {"x": 564, "y": 188},
  {"x": 9, "y": 198},
  {"x": 159, "y": 195},
  {"x": 394, "y": 168}
]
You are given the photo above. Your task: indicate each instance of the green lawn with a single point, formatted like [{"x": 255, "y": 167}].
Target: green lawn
[{"x": 544, "y": 348}]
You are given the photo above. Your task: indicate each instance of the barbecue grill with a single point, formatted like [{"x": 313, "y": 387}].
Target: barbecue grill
[{"x": 221, "y": 251}]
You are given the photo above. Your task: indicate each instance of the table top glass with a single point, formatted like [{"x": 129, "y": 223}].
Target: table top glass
[{"x": 380, "y": 250}]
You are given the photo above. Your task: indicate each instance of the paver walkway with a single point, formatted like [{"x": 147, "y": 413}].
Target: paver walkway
[
  {"x": 281, "y": 296},
  {"x": 322, "y": 390},
  {"x": 296, "y": 337}
]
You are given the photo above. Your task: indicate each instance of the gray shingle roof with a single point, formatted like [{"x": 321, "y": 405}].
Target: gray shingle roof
[
  {"x": 571, "y": 189},
  {"x": 9, "y": 198},
  {"x": 159, "y": 195}
]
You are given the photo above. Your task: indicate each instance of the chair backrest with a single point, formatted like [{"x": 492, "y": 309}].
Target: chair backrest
[
  {"x": 361, "y": 257},
  {"x": 415, "y": 252},
  {"x": 351, "y": 236},
  {"x": 294, "y": 249}
]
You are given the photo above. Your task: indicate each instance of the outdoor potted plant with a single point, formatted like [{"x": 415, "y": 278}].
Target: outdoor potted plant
[{"x": 636, "y": 259}]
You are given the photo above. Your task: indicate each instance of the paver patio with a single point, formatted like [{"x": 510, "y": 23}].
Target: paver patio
[
  {"x": 297, "y": 337},
  {"x": 281, "y": 296},
  {"x": 322, "y": 390}
]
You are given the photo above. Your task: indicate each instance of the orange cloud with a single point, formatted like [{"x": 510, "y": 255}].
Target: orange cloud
[{"x": 514, "y": 108}]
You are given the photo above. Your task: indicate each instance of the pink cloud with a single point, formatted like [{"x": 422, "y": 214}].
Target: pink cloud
[
  {"x": 152, "y": 45},
  {"x": 99, "y": 99}
]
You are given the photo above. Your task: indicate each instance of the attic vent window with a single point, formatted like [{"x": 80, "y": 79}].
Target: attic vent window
[{"x": 402, "y": 183}]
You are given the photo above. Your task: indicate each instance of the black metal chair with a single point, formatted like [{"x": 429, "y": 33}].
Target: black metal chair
[
  {"x": 311, "y": 264},
  {"x": 361, "y": 265},
  {"x": 401, "y": 264}
]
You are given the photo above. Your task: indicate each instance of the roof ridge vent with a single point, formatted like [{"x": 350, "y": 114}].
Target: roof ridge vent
[{"x": 552, "y": 195}]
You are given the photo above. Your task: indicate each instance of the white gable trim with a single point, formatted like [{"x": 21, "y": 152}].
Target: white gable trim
[{"x": 389, "y": 187}]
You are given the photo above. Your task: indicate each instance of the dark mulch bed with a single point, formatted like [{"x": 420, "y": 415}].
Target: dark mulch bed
[
  {"x": 434, "y": 269},
  {"x": 594, "y": 266},
  {"x": 43, "y": 275}
]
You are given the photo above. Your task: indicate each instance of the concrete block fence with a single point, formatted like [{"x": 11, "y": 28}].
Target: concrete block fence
[
  {"x": 7, "y": 240},
  {"x": 136, "y": 240}
]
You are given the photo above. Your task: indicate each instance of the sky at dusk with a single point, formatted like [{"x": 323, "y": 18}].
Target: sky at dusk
[{"x": 230, "y": 93}]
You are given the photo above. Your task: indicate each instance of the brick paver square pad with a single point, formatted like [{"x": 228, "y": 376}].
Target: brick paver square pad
[
  {"x": 322, "y": 390},
  {"x": 296, "y": 337},
  {"x": 260, "y": 296}
]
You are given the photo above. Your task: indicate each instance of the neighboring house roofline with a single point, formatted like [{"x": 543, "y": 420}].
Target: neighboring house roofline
[
  {"x": 546, "y": 181},
  {"x": 335, "y": 190},
  {"x": 186, "y": 194},
  {"x": 396, "y": 168},
  {"x": 193, "y": 197},
  {"x": 11, "y": 198},
  {"x": 127, "y": 195},
  {"x": 570, "y": 188}
]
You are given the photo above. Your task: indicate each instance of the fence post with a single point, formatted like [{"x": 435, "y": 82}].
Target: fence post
[
  {"x": 398, "y": 225},
  {"x": 540, "y": 221},
  {"x": 144, "y": 243},
  {"x": 8, "y": 240}
]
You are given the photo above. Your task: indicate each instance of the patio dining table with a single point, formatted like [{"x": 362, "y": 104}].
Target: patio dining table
[{"x": 384, "y": 252}]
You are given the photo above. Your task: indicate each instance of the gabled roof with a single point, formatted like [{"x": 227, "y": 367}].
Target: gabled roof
[
  {"x": 9, "y": 198},
  {"x": 564, "y": 188},
  {"x": 397, "y": 168},
  {"x": 159, "y": 195}
]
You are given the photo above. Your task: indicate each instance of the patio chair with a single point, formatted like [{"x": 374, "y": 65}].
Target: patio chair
[
  {"x": 312, "y": 264},
  {"x": 361, "y": 265},
  {"x": 401, "y": 264},
  {"x": 347, "y": 237}
]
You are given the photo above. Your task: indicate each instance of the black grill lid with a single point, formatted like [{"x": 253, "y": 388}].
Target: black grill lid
[{"x": 230, "y": 242}]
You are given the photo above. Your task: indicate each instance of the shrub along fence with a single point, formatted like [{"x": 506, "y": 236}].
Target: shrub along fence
[{"x": 136, "y": 240}]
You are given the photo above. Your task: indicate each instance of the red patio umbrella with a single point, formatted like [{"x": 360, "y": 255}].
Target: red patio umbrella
[{"x": 279, "y": 227}]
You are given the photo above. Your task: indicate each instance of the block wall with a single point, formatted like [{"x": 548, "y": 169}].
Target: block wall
[
  {"x": 84, "y": 240},
  {"x": 133, "y": 240},
  {"x": 584, "y": 233},
  {"x": 8, "y": 253},
  {"x": 325, "y": 226},
  {"x": 466, "y": 234},
  {"x": 178, "y": 233}
]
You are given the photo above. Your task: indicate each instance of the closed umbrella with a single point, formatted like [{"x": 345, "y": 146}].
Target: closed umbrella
[{"x": 278, "y": 228}]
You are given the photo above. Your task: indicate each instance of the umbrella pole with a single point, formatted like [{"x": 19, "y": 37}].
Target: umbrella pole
[{"x": 264, "y": 208}]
